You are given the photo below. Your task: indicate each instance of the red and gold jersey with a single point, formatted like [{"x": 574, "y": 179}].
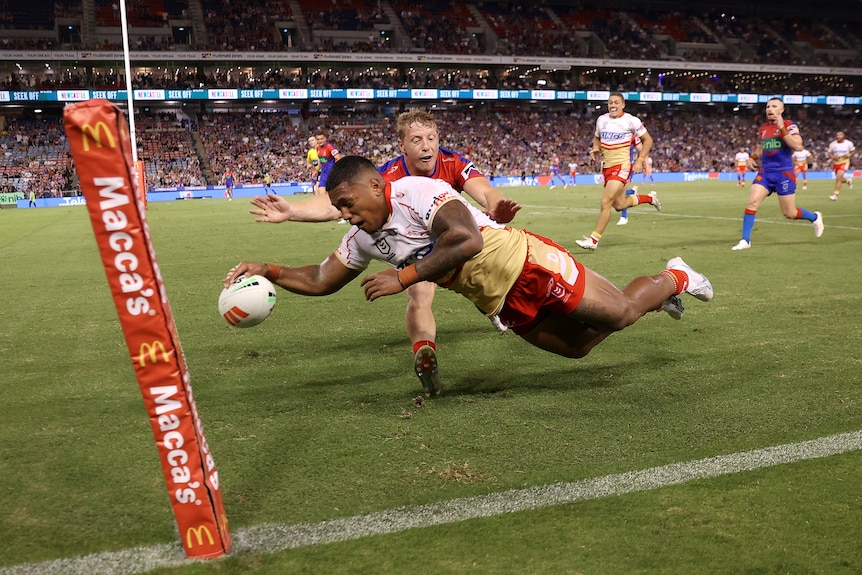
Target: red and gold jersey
[{"x": 617, "y": 137}]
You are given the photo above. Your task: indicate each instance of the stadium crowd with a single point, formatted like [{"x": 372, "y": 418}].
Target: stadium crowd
[
  {"x": 195, "y": 150},
  {"x": 178, "y": 150},
  {"x": 727, "y": 33}
]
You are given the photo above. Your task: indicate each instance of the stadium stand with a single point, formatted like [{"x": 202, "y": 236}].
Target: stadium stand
[{"x": 192, "y": 143}]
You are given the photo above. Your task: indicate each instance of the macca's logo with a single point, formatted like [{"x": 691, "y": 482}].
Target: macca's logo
[
  {"x": 152, "y": 350},
  {"x": 94, "y": 132},
  {"x": 198, "y": 533}
]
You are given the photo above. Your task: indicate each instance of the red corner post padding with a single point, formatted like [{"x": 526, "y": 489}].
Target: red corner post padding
[{"x": 99, "y": 138}]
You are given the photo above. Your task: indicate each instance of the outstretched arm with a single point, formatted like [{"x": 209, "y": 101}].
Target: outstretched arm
[
  {"x": 323, "y": 279},
  {"x": 276, "y": 209},
  {"x": 498, "y": 207},
  {"x": 458, "y": 240}
]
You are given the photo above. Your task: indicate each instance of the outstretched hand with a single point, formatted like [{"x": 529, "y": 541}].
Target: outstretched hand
[
  {"x": 271, "y": 208},
  {"x": 504, "y": 211}
]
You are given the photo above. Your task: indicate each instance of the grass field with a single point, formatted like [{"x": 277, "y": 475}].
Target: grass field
[{"x": 313, "y": 415}]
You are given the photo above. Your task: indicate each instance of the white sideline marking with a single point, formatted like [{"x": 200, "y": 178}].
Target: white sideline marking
[{"x": 273, "y": 538}]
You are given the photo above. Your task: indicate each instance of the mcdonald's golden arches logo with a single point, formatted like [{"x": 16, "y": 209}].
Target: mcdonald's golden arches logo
[
  {"x": 198, "y": 533},
  {"x": 152, "y": 350},
  {"x": 94, "y": 132}
]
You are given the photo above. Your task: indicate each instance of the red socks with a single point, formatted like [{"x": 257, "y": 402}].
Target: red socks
[{"x": 419, "y": 344}]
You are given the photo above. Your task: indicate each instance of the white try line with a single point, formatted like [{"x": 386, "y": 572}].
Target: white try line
[{"x": 273, "y": 538}]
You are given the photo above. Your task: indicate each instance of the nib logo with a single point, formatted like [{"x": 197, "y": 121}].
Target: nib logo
[{"x": 235, "y": 315}]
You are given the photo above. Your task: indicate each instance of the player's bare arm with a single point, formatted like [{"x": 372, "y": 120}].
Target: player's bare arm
[
  {"x": 323, "y": 279},
  {"x": 596, "y": 150},
  {"x": 276, "y": 209},
  {"x": 458, "y": 240},
  {"x": 499, "y": 208}
]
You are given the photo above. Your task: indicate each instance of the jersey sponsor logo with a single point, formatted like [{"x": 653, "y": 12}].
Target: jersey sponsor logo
[
  {"x": 771, "y": 144},
  {"x": 613, "y": 136}
]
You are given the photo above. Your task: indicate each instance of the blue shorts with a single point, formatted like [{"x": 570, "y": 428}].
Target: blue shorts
[{"x": 782, "y": 183}]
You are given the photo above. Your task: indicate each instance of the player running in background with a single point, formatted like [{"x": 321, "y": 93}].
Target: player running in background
[
  {"x": 840, "y": 151},
  {"x": 228, "y": 185},
  {"x": 647, "y": 170},
  {"x": 312, "y": 160},
  {"x": 427, "y": 232},
  {"x": 778, "y": 139},
  {"x": 573, "y": 174},
  {"x": 741, "y": 159},
  {"x": 800, "y": 165},
  {"x": 419, "y": 141},
  {"x": 555, "y": 172},
  {"x": 613, "y": 139}
]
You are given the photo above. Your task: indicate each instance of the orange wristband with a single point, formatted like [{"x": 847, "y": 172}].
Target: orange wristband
[
  {"x": 408, "y": 276},
  {"x": 783, "y": 131},
  {"x": 272, "y": 272}
]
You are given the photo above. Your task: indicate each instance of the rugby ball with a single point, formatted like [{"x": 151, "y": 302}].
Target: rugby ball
[{"x": 247, "y": 301}]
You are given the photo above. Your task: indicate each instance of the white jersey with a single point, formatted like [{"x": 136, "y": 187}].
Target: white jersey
[
  {"x": 406, "y": 236},
  {"x": 617, "y": 136},
  {"x": 742, "y": 158},
  {"x": 485, "y": 279},
  {"x": 801, "y": 157},
  {"x": 841, "y": 150}
]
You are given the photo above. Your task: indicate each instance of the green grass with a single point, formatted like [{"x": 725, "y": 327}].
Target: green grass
[{"x": 312, "y": 414}]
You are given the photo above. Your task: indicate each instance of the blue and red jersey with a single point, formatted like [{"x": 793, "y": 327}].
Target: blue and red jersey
[
  {"x": 326, "y": 156},
  {"x": 776, "y": 155},
  {"x": 452, "y": 168}
]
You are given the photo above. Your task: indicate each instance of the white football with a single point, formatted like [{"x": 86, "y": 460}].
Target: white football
[{"x": 248, "y": 301}]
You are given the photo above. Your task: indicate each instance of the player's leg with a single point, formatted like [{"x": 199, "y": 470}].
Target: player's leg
[
  {"x": 422, "y": 331},
  {"x": 755, "y": 196},
  {"x": 613, "y": 194},
  {"x": 839, "y": 179},
  {"x": 605, "y": 308},
  {"x": 787, "y": 201},
  {"x": 624, "y": 214}
]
